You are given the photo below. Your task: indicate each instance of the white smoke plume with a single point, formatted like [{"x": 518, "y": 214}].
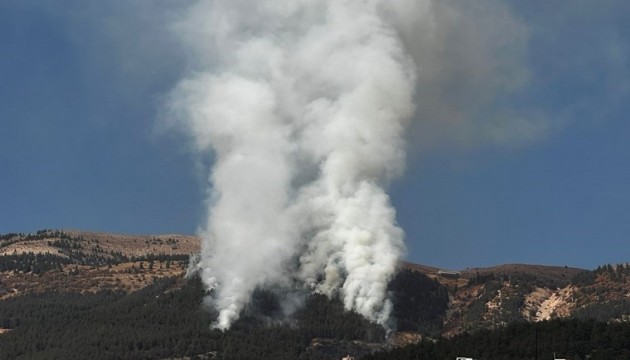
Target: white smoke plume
[{"x": 305, "y": 106}]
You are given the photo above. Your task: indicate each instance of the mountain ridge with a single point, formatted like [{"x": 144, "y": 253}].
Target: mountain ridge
[{"x": 429, "y": 302}]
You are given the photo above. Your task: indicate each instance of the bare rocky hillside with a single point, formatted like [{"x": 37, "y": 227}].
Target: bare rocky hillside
[{"x": 496, "y": 296}]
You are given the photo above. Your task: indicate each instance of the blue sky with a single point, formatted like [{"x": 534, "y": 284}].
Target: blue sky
[{"x": 81, "y": 88}]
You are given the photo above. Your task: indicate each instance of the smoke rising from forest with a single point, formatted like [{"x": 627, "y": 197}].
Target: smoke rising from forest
[{"x": 305, "y": 107}]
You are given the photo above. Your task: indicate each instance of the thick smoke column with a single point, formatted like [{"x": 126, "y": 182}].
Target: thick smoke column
[{"x": 304, "y": 106}]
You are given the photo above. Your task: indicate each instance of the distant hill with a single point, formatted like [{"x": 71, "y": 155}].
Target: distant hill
[
  {"x": 86, "y": 276},
  {"x": 80, "y": 261}
]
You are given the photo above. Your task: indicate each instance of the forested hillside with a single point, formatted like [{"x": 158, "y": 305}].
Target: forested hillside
[
  {"x": 166, "y": 320},
  {"x": 570, "y": 339},
  {"x": 77, "y": 295}
]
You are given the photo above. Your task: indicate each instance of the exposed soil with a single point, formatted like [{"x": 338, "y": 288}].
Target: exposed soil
[{"x": 127, "y": 277}]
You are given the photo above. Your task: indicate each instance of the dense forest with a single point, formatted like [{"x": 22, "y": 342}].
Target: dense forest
[
  {"x": 160, "y": 321},
  {"x": 420, "y": 303},
  {"x": 166, "y": 320},
  {"x": 572, "y": 339}
]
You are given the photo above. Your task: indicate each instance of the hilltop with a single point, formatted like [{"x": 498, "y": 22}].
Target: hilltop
[{"x": 81, "y": 261}]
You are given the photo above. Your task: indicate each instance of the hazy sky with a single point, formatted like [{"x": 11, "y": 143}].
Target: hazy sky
[{"x": 83, "y": 82}]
